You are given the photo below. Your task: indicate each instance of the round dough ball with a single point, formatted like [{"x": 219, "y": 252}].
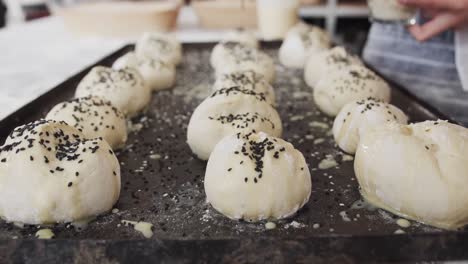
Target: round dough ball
[
  {"x": 249, "y": 80},
  {"x": 49, "y": 173},
  {"x": 328, "y": 61},
  {"x": 356, "y": 118},
  {"x": 256, "y": 177},
  {"x": 129, "y": 60},
  {"x": 338, "y": 88},
  {"x": 125, "y": 89},
  {"x": 301, "y": 42},
  {"x": 229, "y": 111},
  {"x": 158, "y": 75},
  {"x": 418, "y": 171},
  {"x": 242, "y": 38},
  {"x": 159, "y": 46},
  {"x": 94, "y": 117},
  {"x": 222, "y": 50},
  {"x": 243, "y": 58},
  {"x": 246, "y": 37}
]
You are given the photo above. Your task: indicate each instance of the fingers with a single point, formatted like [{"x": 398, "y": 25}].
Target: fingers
[
  {"x": 439, "y": 24},
  {"x": 430, "y": 13},
  {"x": 437, "y": 4}
]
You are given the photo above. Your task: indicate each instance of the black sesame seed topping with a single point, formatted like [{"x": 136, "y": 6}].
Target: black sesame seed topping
[
  {"x": 255, "y": 150},
  {"x": 242, "y": 121},
  {"x": 237, "y": 90}
]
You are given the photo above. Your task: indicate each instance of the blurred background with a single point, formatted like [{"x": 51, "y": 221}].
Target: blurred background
[
  {"x": 43, "y": 42},
  {"x": 85, "y": 16}
]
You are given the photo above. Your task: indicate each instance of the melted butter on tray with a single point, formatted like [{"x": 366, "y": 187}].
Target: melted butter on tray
[
  {"x": 347, "y": 158},
  {"x": 270, "y": 225},
  {"x": 318, "y": 124},
  {"x": 403, "y": 223},
  {"x": 45, "y": 233},
  {"x": 155, "y": 156},
  {"x": 328, "y": 163},
  {"x": 142, "y": 227},
  {"x": 319, "y": 141}
]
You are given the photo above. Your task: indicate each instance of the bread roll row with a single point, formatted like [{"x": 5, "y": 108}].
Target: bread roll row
[
  {"x": 417, "y": 171},
  {"x": 63, "y": 168},
  {"x": 251, "y": 174}
]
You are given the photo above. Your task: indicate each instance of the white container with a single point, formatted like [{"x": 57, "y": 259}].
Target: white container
[
  {"x": 276, "y": 17},
  {"x": 391, "y": 11}
]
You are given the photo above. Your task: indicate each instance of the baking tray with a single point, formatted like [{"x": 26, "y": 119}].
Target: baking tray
[{"x": 162, "y": 183}]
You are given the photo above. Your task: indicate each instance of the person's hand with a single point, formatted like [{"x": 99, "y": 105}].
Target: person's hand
[{"x": 444, "y": 14}]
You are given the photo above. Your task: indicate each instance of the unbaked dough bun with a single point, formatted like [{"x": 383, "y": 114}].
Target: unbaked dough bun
[
  {"x": 158, "y": 75},
  {"x": 328, "y": 61},
  {"x": 338, "y": 88},
  {"x": 249, "y": 80},
  {"x": 357, "y": 117},
  {"x": 128, "y": 60},
  {"x": 229, "y": 111},
  {"x": 159, "y": 46},
  {"x": 256, "y": 177},
  {"x": 94, "y": 117},
  {"x": 301, "y": 42},
  {"x": 233, "y": 39},
  {"x": 125, "y": 88},
  {"x": 243, "y": 58},
  {"x": 246, "y": 37},
  {"x": 49, "y": 173},
  {"x": 221, "y": 50},
  {"x": 418, "y": 171}
]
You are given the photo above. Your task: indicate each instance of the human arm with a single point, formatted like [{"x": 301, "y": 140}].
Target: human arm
[{"x": 445, "y": 15}]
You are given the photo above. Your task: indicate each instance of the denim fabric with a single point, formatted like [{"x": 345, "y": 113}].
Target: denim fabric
[{"x": 427, "y": 69}]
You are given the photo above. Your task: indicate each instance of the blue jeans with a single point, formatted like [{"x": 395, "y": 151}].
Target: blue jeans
[{"x": 427, "y": 69}]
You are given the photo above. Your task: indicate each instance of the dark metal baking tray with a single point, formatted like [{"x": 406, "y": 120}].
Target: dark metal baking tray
[{"x": 162, "y": 183}]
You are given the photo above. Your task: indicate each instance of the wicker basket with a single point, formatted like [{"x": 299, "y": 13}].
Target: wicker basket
[
  {"x": 226, "y": 13},
  {"x": 311, "y": 2},
  {"x": 120, "y": 19}
]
